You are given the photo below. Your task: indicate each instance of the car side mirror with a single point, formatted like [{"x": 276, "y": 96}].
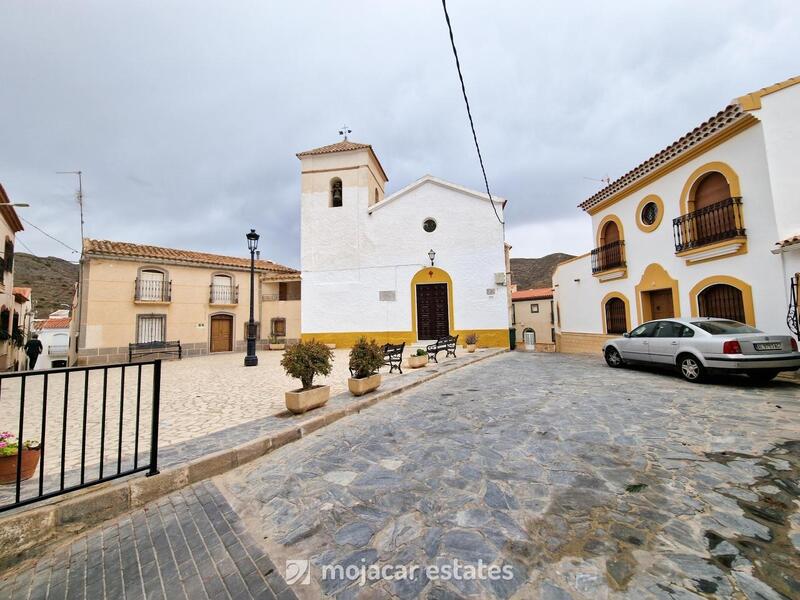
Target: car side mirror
[{"x": 626, "y": 334}]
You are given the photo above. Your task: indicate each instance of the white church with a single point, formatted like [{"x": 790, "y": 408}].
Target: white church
[{"x": 427, "y": 261}]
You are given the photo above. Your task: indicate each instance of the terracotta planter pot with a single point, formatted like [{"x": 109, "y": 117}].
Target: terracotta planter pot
[
  {"x": 359, "y": 387},
  {"x": 8, "y": 466},
  {"x": 415, "y": 362},
  {"x": 471, "y": 347},
  {"x": 277, "y": 346},
  {"x": 299, "y": 401}
]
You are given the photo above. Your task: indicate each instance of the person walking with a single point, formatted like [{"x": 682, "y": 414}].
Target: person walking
[{"x": 33, "y": 349}]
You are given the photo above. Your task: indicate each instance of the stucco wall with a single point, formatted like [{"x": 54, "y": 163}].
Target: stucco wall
[
  {"x": 350, "y": 254},
  {"x": 580, "y": 295},
  {"x": 540, "y": 322},
  {"x": 110, "y": 313}
]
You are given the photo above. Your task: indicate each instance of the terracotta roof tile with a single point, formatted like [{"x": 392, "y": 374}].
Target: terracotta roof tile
[
  {"x": 343, "y": 146},
  {"x": 109, "y": 248},
  {"x": 534, "y": 294},
  {"x": 731, "y": 115},
  {"x": 25, "y": 292},
  {"x": 61, "y": 323}
]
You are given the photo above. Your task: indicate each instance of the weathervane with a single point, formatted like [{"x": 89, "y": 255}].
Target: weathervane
[{"x": 344, "y": 131}]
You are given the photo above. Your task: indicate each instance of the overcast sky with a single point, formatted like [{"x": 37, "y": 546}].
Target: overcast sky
[{"x": 185, "y": 117}]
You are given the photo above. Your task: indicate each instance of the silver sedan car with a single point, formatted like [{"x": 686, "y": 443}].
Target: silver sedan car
[{"x": 701, "y": 345}]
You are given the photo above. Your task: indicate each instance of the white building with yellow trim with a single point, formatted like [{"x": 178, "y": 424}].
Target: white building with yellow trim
[
  {"x": 365, "y": 256},
  {"x": 709, "y": 226}
]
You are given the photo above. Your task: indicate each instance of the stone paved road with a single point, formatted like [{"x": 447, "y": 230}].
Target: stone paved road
[
  {"x": 585, "y": 482},
  {"x": 190, "y": 546}
]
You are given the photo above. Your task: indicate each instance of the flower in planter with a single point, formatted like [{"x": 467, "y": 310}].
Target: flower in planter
[
  {"x": 9, "y": 446},
  {"x": 422, "y": 352},
  {"x": 304, "y": 360},
  {"x": 365, "y": 358},
  {"x": 471, "y": 339}
]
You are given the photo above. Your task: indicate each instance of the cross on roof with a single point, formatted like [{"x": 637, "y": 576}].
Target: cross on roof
[{"x": 344, "y": 131}]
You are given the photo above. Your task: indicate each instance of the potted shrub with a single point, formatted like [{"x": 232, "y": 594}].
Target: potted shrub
[
  {"x": 276, "y": 343},
  {"x": 420, "y": 359},
  {"x": 9, "y": 447},
  {"x": 303, "y": 361},
  {"x": 472, "y": 342},
  {"x": 365, "y": 360}
]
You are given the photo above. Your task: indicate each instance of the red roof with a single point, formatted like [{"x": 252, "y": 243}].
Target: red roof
[
  {"x": 534, "y": 294},
  {"x": 61, "y": 323},
  {"x": 24, "y": 292}
]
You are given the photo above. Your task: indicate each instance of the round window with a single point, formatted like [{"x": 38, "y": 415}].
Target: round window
[
  {"x": 429, "y": 225},
  {"x": 649, "y": 213}
]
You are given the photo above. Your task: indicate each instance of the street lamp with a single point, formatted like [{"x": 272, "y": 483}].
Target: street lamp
[
  {"x": 251, "y": 360},
  {"x": 431, "y": 255}
]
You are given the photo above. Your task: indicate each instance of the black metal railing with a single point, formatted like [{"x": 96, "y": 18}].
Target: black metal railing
[
  {"x": 792, "y": 317},
  {"x": 153, "y": 290},
  {"x": 224, "y": 294},
  {"x": 608, "y": 256},
  {"x": 59, "y": 409},
  {"x": 714, "y": 223}
]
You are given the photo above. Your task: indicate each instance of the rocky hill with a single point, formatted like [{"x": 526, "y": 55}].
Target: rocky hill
[
  {"x": 528, "y": 273},
  {"x": 51, "y": 279}
]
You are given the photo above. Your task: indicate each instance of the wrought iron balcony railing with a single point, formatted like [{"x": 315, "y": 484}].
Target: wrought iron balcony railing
[
  {"x": 714, "y": 223},
  {"x": 608, "y": 256},
  {"x": 224, "y": 294},
  {"x": 153, "y": 290},
  {"x": 57, "y": 349}
]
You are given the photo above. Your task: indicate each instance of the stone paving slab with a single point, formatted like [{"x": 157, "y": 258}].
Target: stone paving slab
[
  {"x": 190, "y": 545},
  {"x": 586, "y": 482}
]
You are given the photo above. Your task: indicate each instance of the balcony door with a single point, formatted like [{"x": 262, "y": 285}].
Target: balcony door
[
  {"x": 713, "y": 219},
  {"x": 221, "y": 333},
  {"x": 151, "y": 285},
  {"x": 222, "y": 291}
]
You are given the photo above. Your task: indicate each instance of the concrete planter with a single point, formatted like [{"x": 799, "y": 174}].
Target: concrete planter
[
  {"x": 300, "y": 401},
  {"x": 277, "y": 346},
  {"x": 415, "y": 362},
  {"x": 8, "y": 466},
  {"x": 471, "y": 347},
  {"x": 359, "y": 387}
]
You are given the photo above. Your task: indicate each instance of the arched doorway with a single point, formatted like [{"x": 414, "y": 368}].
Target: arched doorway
[
  {"x": 723, "y": 301},
  {"x": 431, "y": 303},
  {"x": 221, "y": 333},
  {"x": 616, "y": 315}
]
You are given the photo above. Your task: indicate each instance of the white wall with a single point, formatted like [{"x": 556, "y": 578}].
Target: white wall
[
  {"x": 350, "y": 254},
  {"x": 579, "y": 302},
  {"x": 51, "y": 337}
]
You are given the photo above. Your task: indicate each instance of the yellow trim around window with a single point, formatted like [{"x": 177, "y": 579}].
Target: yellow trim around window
[
  {"x": 687, "y": 203},
  {"x": 431, "y": 275},
  {"x": 655, "y": 277},
  {"x": 606, "y": 298},
  {"x": 744, "y": 288},
  {"x": 645, "y": 201},
  {"x": 608, "y": 219}
]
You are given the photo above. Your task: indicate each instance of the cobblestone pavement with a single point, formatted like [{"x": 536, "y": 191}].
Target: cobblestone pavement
[
  {"x": 584, "y": 482},
  {"x": 190, "y": 545}
]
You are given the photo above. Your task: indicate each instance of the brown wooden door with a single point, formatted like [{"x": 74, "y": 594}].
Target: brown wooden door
[
  {"x": 221, "y": 333},
  {"x": 661, "y": 306},
  {"x": 433, "y": 319}
]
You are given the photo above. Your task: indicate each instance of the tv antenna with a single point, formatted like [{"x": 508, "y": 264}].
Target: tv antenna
[
  {"x": 344, "y": 131},
  {"x": 606, "y": 179},
  {"x": 78, "y": 195}
]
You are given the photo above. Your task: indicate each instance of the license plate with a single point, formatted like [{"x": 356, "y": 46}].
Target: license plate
[{"x": 768, "y": 346}]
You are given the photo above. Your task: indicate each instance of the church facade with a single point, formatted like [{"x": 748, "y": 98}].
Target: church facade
[{"x": 426, "y": 261}]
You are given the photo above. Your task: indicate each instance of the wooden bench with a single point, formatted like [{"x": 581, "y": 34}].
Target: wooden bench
[
  {"x": 393, "y": 356},
  {"x": 445, "y": 344},
  {"x": 149, "y": 348}
]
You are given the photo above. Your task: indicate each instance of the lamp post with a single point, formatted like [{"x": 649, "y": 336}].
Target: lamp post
[
  {"x": 431, "y": 255},
  {"x": 251, "y": 360}
]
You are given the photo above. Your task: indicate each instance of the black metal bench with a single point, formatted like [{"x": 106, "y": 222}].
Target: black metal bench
[
  {"x": 445, "y": 344},
  {"x": 393, "y": 356},
  {"x": 149, "y": 348}
]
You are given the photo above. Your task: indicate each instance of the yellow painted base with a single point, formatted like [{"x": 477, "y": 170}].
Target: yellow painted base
[
  {"x": 581, "y": 343},
  {"x": 487, "y": 338}
]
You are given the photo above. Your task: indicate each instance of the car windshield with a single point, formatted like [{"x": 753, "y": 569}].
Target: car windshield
[{"x": 724, "y": 327}]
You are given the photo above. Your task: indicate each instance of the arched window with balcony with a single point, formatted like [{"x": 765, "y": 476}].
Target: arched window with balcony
[
  {"x": 223, "y": 289},
  {"x": 336, "y": 192},
  {"x": 152, "y": 285},
  {"x": 610, "y": 250}
]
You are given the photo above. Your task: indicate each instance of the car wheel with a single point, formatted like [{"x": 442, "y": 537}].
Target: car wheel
[
  {"x": 691, "y": 368},
  {"x": 762, "y": 375},
  {"x": 613, "y": 359}
]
